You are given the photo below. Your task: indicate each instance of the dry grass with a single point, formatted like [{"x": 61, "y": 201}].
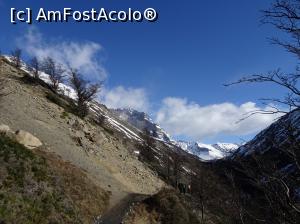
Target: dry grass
[
  {"x": 90, "y": 199},
  {"x": 39, "y": 187},
  {"x": 140, "y": 215}
]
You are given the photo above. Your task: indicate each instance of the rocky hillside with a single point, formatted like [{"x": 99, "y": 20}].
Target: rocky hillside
[{"x": 105, "y": 153}]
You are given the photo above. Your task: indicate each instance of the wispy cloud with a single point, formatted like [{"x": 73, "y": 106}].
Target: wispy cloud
[
  {"x": 180, "y": 117},
  {"x": 80, "y": 55},
  {"x": 121, "y": 97}
]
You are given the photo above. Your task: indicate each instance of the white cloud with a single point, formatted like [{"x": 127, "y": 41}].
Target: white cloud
[
  {"x": 79, "y": 55},
  {"x": 180, "y": 117},
  {"x": 120, "y": 97}
]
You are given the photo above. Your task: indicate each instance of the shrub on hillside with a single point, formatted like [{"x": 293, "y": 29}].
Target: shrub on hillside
[
  {"x": 172, "y": 208},
  {"x": 44, "y": 189}
]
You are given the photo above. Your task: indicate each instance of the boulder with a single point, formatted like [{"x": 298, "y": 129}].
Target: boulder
[
  {"x": 27, "y": 139},
  {"x": 6, "y": 131}
]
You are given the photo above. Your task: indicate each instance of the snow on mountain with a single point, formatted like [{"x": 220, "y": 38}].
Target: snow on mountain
[
  {"x": 226, "y": 148},
  {"x": 143, "y": 122},
  {"x": 207, "y": 152},
  {"x": 96, "y": 108},
  {"x": 63, "y": 88},
  {"x": 280, "y": 134}
]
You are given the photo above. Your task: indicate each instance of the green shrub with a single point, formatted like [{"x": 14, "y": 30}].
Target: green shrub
[
  {"x": 64, "y": 115},
  {"x": 54, "y": 98},
  {"x": 67, "y": 104}
]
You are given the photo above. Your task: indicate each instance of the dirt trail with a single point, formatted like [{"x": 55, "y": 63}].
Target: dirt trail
[{"x": 117, "y": 213}]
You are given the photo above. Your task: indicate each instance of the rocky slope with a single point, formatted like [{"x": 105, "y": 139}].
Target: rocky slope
[{"x": 105, "y": 152}]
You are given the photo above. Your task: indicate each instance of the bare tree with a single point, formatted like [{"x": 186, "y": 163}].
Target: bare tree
[
  {"x": 55, "y": 72},
  {"x": 101, "y": 119},
  {"x": 85, "y": 92},
  {"x": 1, "y": 64},
  {"x": 3, "y": 91},
  {"x": 285, "y": 16},
  {"x": 2, "y": 84},
  {"x": 168, "y": 163},
  {"x": 35, "y": 67},
  {"x": 16, "y": 57},
  {"x": 177, "y": 168},
  {"x": 197, "y": 185},
  {"x": 275, "y": 176},
  {"x": 276, "y": 198}
]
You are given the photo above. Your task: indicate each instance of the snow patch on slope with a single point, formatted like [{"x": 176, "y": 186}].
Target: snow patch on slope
[{"x": 70, "y": 92}]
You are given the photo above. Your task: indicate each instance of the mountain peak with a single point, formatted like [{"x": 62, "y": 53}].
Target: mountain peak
[{"x": 207, "y": 152}]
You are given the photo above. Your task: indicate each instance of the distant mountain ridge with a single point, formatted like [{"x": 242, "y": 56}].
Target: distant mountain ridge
[
  {"x": 208, "y": 151},
  {"x": 143, "y": 122},
  {"x": 205, "y": 152}
]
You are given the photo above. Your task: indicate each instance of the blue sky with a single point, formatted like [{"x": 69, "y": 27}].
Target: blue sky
[{"x": 173, "y": 68}]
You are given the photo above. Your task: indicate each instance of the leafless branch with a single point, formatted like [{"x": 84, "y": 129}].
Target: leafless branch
[
  {"x": 55, "y": 72},
  {"x": 85, "y": 91},
  {"x": 261, "y": 112},
  {"x": 35, "y": 67},
  {"x": 16, "y": 57}
]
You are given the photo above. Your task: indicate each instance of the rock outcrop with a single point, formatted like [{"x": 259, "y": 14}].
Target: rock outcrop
[
  {"x": 23, "y": 137},
  {"x": 27, "y": 139}
]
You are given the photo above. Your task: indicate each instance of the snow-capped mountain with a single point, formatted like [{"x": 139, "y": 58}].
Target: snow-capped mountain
[
  {"x": 205, "y": 152},
  {"x": 208, "y": 152},
  {"x": 143, "y": 122}
]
